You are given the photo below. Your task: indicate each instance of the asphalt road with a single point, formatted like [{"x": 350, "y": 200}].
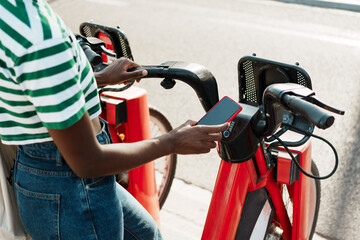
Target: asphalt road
[{"x": 216, "y": 34}]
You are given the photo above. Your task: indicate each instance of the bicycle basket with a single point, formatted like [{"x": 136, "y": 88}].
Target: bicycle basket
[
  {"x": 255, "y": 74},
  {"x": 113, "y": 37}
]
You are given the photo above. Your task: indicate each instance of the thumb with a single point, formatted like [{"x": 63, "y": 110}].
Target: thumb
[
  {"x": 216, "y": 128},
  {"x": 136, "y": 74}
]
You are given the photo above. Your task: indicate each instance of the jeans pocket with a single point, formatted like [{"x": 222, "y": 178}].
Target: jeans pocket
[
  {"x": 39, "y": 209},
  {"x": 95, "y": 182}
]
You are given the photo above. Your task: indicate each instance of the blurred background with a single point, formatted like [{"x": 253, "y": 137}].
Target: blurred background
[{"x": 216, "y": 34}]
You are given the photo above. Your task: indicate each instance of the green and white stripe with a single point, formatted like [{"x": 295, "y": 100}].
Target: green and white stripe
[{"x": 45, "y": 78}]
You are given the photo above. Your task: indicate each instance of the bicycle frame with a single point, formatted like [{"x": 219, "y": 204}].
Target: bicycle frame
[
  {"x": 128, "y": 116},
  {"x": 236, "y": 180}
]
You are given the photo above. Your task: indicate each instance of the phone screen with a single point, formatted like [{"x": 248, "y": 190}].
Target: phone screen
[{"x": 222, "y": 112}]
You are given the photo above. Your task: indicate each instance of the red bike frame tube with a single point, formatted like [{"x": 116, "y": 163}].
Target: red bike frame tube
[
  {"x": 302, "y": 194},
  {"x": 280, "y": 210},
  {"x": 142, "y": 183},
  {"x": 228, "y": 199}
]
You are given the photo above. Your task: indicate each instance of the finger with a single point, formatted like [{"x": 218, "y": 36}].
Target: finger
[
  {"x": 188, "y": 123},
  {"x": 207, "y": 146},
  {"x": 134, "y": 65},
  {"x": 192, "y": 122},
  {"x": 136, "y": 74},
  {"x": 202, "y": 150},
  {"x": 212, "y": 145},
  {"x": 215, "y": 136},
  {"x": 127, "y": 63},
  {"x": 216, "y": 128}
]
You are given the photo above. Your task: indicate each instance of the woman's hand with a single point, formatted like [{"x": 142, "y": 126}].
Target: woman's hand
[
  {"x": 191, "y": 139},
  {"x": 117, "y": 72}
]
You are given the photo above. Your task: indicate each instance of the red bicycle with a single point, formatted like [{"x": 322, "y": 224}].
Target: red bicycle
[{"x": 267, "y": 186}]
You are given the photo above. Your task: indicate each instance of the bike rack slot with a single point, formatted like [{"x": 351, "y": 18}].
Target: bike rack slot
[
  {"x": 286, "y": 170},
  {"x": 116, "y": 110}
]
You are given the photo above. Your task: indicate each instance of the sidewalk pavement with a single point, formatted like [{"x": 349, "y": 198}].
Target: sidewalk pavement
[
  {"x": 184, "y": 212},
  {"x": 350, "y": 5}
]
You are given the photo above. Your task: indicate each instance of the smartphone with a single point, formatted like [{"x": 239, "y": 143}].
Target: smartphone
[{"x": 223, "y": 111}]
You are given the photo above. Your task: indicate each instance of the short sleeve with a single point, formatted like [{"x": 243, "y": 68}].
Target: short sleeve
[{"x": 49, "y": 76}]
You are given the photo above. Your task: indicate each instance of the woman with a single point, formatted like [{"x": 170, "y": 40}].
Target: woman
[{"x": 63, "y": 175}]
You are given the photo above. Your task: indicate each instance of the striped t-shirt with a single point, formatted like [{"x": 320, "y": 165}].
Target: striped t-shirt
[{"x": 46, "y": 81}]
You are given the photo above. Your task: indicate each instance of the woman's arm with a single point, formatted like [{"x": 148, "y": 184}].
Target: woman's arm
[{"x": 88, "y": 158}]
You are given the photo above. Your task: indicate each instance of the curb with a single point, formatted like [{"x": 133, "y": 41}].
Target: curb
[{"x": 349, "y": 5}]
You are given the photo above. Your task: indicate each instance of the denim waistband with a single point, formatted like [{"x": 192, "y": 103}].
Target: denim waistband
[{"x": 49, "y": 150}]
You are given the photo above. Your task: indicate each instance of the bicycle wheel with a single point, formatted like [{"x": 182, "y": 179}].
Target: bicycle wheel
[
  {"x": 275, "y": 230},
  {"x": 165, "y": 167}
]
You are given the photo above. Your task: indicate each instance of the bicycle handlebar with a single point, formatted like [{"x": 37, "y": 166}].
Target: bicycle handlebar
[
  {"x": 298, "y": 99},
  {"x": 313, "y": 113},
  {"x": 91, "y": 55},
  {"x": 195, "y": 75}
]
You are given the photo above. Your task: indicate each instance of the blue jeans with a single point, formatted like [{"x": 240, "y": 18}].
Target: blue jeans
[{"x": 56, "y": 204}]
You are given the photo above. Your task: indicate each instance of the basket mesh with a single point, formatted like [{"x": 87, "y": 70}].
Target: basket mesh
[
  {"x": 301, "y": 79},
  {"x": 123, "y": 47},
  {"x": 250, "y": 89},
  {"x": 87, "y": 31}
]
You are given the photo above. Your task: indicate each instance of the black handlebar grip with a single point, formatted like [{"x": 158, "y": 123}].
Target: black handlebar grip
[
  {"x": 153, "y": 72},
  {"x": 92, "y": 56},
  {"x": 311, "y": 112}
]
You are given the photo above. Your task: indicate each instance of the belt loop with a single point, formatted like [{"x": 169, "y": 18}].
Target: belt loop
[{"x": 59, "y": 159}]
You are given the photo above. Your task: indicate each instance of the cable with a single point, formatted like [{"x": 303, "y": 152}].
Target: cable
[{"x": 296, "y": 162}]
